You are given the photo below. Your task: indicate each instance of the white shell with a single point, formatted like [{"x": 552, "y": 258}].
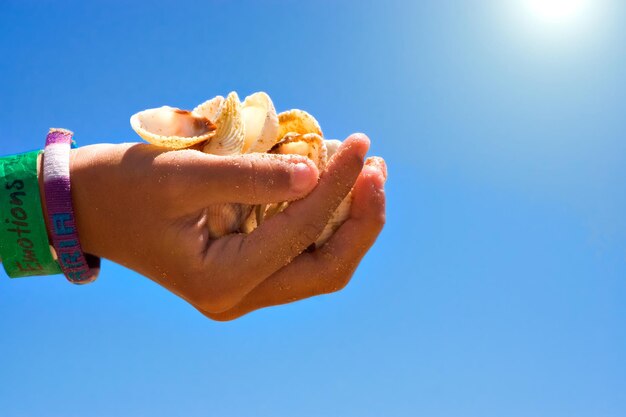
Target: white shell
[
  {"x": 171, "y": 127},
  {"x": 228, "y": 127},
  {"x": 340, "y": 215},
  {"x": 209, "y": 108},
  {"x": 260, "y": 121},
  {"x": 310, "y": 145},
  {"x": 332, "y": 146},
  {"x": 229, "y": 136},
  {"x": 228, "y": 140},
  {"x": 342, "y": 212},
  {"x": 297, "y": 121}
]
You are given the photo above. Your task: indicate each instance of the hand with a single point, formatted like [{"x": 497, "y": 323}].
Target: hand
[{"x": 144, "y": 207}]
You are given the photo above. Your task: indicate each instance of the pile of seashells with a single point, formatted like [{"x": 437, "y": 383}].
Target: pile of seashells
[{"x": 226, "y": 126}]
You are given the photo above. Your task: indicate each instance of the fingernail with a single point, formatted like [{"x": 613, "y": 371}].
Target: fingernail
[
  {"x": 363, "y": 149},
  {"x": 300, "y": 177}
]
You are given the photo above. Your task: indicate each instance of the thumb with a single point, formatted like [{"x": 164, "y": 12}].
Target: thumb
[{"x": 205, "y": 179}]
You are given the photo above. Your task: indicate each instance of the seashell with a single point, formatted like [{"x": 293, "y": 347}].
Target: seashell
[
  {"x": 342, "y": 212},
  {"x": 339, "y": 216},
  {"x": 171, "y": 127},
  {"x": 228, "y": 127},
  {"x": 254, "y": 219},
  {"x": 260, "y": 121},
  {"x": 297, "y": 121},
  {"x": 272, "y": 209},
  {"x": 225, "y": 219},
  {"x": 209, "y": 108},
  {"x": 228, "y": 140},
  {"x": 229, "y": 136},
  {"x": 310, "y": 145},
  {"x": 319, "y": 151},
  {"x": 332, "y": 146}
]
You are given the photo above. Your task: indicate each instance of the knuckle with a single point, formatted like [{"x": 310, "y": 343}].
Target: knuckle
[
  {"x": 171, "y": 178},
  {"x": 301, "y": 233},
  {"x": 254, "y": 168},
  {"x": 380, "y": 220},
  {"x": 309, "y": 232}
]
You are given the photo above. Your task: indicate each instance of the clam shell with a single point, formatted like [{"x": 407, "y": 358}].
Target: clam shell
[
  {"x": 332, "y": 146},
  {"x": 209, "y": 108},
  {"x": 254, "y": 219},
  {"x": 260, "y": 121},
  {"x": 310, "y": 145},
  {"x": 228, "y": 127},
  {"x": 225, "y": 219},
  {"x": 339, "y": 216},
  {"x": 171, "y": 127},
  {"x": 342, "y": 212},
  {"x": 229, "y": 136},
  {"x": 297, "y": 121},
  {"x": 228, "y": 140}
]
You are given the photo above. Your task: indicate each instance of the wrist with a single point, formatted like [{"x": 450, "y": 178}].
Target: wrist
[
  {"x": 94, "y": 169},
  {"x": 82, "y": 184},
  {"x": 76, "y": 184},
  {"x": 78, "y": 266}
]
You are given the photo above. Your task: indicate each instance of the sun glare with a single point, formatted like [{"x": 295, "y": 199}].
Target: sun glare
[{"x": 558, "y": 11}]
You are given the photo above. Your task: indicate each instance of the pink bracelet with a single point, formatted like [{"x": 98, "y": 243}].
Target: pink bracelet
[{"x": 78, "y": 267}]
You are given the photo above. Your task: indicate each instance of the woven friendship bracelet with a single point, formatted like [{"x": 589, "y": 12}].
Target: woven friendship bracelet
[
  {"x": 24, "y": 245},
  {"x": 78, "y": 267}
]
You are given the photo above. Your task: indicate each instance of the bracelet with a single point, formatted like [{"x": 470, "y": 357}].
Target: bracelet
[
  {"x": 24, "y": 246},
  {"x": 78, "y": 267}
]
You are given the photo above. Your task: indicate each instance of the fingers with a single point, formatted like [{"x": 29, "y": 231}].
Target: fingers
[
  {"x": 281, "y": 238},
  {"x": 238, "y": 263},
  {"x": 200, "y": 180},
  {"x": 329, "y": 268}
]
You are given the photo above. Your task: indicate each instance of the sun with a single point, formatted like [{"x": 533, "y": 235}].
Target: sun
[
  {"x": 558, "y": 26},
  {"x": 558, "y": 11}
]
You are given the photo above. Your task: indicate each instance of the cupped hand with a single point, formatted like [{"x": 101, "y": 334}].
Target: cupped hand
[{"x": 144, "y": 207}]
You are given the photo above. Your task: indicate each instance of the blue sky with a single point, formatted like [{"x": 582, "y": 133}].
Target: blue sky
[{"x": 497, "y": 287}]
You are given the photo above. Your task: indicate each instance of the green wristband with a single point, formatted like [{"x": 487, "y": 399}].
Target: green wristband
[{"x": 24, "y": 245}]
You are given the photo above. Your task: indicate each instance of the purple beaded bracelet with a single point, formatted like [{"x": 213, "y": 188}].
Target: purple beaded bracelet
[{"x": 78, "y": 267}]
